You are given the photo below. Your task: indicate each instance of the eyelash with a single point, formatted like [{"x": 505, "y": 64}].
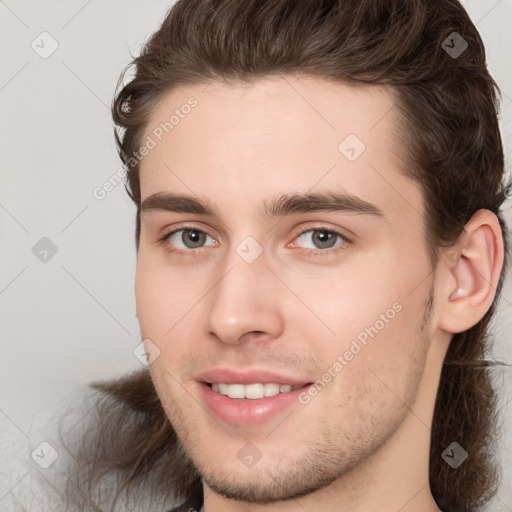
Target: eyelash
[{"x": 320, "y": 252}]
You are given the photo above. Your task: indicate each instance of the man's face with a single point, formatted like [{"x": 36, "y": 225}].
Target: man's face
[{"x": 246, "y": 303}]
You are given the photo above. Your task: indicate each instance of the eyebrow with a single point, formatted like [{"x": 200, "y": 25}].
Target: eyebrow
[{"x": 285, "y": 204}]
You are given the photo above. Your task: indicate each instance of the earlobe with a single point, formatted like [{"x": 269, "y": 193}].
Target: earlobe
[{"x": 474, "y": 275}]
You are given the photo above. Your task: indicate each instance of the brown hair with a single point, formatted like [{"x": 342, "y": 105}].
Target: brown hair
[{"x": 448, "y": 106}]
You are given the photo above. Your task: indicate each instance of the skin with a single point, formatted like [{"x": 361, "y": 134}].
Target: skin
[{"x": 362, "y": 443}]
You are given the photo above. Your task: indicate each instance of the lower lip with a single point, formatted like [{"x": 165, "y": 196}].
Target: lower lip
[{"x": 247, "y": 412}]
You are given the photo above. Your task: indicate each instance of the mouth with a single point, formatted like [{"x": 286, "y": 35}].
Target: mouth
[{"x": 249, "y": 398}]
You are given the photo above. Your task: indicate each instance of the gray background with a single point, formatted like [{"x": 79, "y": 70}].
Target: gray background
[{"x": 71, "y": 320}]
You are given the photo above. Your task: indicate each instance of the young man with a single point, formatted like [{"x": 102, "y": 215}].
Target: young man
[{"x": 320, "y": 251}]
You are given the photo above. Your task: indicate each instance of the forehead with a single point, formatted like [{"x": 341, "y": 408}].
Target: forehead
[{"x": 248, "y": 141}]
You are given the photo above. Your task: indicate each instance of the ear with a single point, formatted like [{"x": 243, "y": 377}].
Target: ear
[{"x": 467, "y": 282}]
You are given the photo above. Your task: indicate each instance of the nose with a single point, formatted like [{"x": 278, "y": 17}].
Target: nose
[{"x": 244, "y": 304}]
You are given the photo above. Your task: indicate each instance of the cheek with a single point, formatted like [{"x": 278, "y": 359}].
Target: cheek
[
  {"x": 369, "y": 293},
  {"x": 163, "y": 295},
  {"x": 161, "y": 299},
  {"x": 169, "y": 308},
  {"x": 148, "y": 298},
  {"x": 384, "y": 362},
  {"x": 373, "y": 313}
]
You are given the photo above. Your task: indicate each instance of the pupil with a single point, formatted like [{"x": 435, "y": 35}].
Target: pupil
[
  {"x": 323, "y": 239},
  {"x": 194, "y": 236}
]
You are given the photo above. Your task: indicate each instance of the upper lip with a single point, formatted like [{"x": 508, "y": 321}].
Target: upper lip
[{"x": 228, "y": 376}]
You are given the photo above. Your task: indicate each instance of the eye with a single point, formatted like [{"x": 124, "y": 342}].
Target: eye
[
  {"x": 321, "y": 239},
  {"x": 184, "y": 239},
  {"x": 190, "y": 240}
]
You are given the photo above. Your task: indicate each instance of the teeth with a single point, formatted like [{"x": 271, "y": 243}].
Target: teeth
[
  {"x": 271, "y": 389},
  {"x": 254, "y": 391},
  {"x": 236, "y": 391},
  {"x": 251, "y": 391}
]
